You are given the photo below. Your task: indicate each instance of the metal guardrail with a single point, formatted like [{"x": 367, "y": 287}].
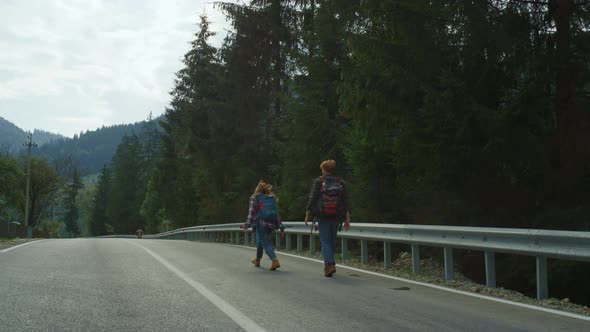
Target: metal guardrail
[{"x": 541, "y": 244}]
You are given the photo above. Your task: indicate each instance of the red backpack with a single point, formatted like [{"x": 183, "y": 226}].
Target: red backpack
[{"x": 330, "y": 196}]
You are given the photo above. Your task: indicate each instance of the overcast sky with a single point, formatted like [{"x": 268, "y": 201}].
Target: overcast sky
[{"x": 71, "y": 65}]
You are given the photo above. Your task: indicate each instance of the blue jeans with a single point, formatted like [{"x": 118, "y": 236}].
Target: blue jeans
[
  {"x": 263, "y": 242},
  {"x": 328, "y": 231}
]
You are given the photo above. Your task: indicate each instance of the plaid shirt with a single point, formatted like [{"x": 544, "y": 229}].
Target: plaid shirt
[
  {"x": 314, "y": 196},
  {"x": 253, "y": 218}
]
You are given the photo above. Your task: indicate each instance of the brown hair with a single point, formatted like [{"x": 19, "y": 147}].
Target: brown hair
[
  {"x": 263, "y": 188},
  {"x": 329, "y": 166}
]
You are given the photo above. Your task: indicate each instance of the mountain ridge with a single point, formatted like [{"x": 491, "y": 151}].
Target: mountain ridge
[
  {"x": 12, "y": 137},
  {"x": 88, "y": 151}
]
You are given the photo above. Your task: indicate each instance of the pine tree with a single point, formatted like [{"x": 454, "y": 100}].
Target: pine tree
[
  {"x": 72, "y": 214},
  {"x": 100, "y": 221},
  {"x": 314, "y": 127},
  {"x": 127, "y": 188}
]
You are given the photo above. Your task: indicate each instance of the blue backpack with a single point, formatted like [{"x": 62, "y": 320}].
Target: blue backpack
[{"x": 267, "y": 208}]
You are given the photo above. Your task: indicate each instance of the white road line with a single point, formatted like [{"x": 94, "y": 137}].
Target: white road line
[
  {"x": 237, "y": 316},
  {"x": 452, "y": 290},
  {"x": 18, "y": 246}
]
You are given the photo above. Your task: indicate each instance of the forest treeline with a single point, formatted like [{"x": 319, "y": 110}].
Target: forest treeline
[{"x": 445, "y": 112}]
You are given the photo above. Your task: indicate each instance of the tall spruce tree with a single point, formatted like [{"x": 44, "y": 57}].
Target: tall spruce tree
[
  {"x": 314, "y": 126},
  {"x": 127, "y": 188},
  {"x": 100, "y": 221},
  {"x": 71, "y": 208}
]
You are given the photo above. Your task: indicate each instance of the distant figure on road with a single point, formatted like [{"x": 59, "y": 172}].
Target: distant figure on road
[
  {"x": 139, "y": 233},
  {"x": 263, "y": 217},
  {"x": 328, "y": 204}
]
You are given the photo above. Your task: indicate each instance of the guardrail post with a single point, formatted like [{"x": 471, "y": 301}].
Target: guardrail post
[
  {"x": 253, "y": 239},
  {"x": 542, "y": 288},
  {"x": 246, "y": 240},
  {"x": 312, "y": 244},
  {"x": 490, "y": 258},
  {"x": 299, "y": 243},
  {"x": 288, "y": 241},
  {"x": 386, "y": 255},
  {"x": 449, "y": 272},
  {"x": 344, "y": 249},
  {"x": 278, "y": 240},
  {"x": 415, "y": 258},
  {"x": 364, "y": 252}
]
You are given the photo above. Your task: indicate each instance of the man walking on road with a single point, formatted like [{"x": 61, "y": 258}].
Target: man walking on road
[{"x": 328, "y": 204}]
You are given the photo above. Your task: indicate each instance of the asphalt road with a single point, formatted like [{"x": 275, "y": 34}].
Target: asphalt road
[{"x": 165, "y": 285}]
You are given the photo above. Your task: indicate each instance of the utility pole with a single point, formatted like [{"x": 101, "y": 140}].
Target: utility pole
[{"x": 29, "y": 144}]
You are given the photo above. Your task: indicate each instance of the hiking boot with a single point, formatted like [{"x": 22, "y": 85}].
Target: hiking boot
[
  {"x": 256, "y": 262},
  {"x": 330, "y": 270},
  {"x": 275, "y": 265}
]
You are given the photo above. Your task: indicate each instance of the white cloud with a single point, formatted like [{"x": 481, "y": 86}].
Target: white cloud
[{"x": 74, "y": 65}]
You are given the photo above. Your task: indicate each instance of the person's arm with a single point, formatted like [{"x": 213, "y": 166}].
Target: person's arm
[
  {"x": 251, "y": 213},
  {"x": 280, "y": 223},
  {"x": 345, "y": 203},
  {"x": 313, "y": 198}
]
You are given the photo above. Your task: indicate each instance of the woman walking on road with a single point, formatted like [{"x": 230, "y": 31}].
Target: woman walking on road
[
  {"x": 263, "y": 217},
  {"x": 328, "y": 204}
]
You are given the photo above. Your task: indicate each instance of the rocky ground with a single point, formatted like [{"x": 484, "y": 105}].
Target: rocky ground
[{"x": 432, "y": 272}]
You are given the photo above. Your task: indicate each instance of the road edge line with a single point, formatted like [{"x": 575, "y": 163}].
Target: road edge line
[
  {"x": 18, "y": 246},
  {"x": 448, "y": 289},
  {"x": 234, "y": 314}
]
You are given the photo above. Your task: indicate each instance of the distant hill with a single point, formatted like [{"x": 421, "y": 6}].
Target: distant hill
[
  {"x": 90, "y": 150},
  {"x": 42, "y": 137},
  {"x": 13, "y": 137}
]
